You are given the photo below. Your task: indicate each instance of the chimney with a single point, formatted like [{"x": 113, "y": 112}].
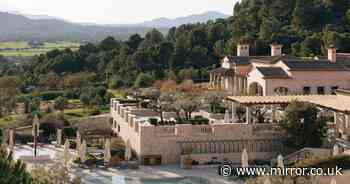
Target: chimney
[
  {"x": 243, "y": 49},
  {"x": 332, "y": 54},
  {"x": 276, "y": 49}
]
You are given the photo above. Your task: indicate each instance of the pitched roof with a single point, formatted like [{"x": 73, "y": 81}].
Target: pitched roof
[
  {"x": 340, "y": 103},
  {"x": 222, "y": 71},
  {"x": 273, "y": 72},
  {"x": 298, "y": 63},
  {"x": 247, "y": 60},
  {"x": 316, "y": 64}
]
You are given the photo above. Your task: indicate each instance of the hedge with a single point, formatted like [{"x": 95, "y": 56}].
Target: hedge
[{"x": 51, "y": 95}]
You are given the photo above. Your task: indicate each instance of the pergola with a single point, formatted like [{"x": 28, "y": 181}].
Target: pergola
[{"x": 339, "y": 104}]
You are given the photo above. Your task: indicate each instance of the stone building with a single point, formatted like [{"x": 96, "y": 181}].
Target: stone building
[
  {"x": 168, "y": 144},
  {"x": 281, "y": 74}
]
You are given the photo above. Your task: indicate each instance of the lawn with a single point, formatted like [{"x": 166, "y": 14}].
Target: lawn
[
  {"x": 11, "y": 120},
  {"x": 117, "y": 93},
  {"x": 75, "y": 113}
]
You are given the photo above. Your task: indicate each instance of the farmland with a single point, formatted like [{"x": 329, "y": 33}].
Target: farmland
[{"x": 26, "y": 49}]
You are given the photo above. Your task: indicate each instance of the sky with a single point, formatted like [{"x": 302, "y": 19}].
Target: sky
[{"x": 116, "y": 11}]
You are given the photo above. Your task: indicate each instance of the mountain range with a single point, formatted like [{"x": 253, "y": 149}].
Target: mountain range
[{"x": 19, "y": 26}]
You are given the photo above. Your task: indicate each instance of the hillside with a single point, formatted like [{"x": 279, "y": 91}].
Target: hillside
[
  {"x": 199, "y": 18},
  {"x": 22, "y": 27},
  {"x": 305, "y": 28},
  {"x": 18, "y": 27}
]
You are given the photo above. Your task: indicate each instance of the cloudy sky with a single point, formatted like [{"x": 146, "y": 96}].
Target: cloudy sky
[{"x": 116, "y": 11}]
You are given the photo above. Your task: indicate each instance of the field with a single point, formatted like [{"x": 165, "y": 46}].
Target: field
[{"x": 24, "y": 49}]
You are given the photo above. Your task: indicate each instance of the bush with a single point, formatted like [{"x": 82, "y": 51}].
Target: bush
[
  {"x": 199, "y": 121},
  {"x": 115, "y": 160},
  {"x": 143, "y": 80},
  {"x": 94, "y": 111},
  {"x": 341, "y": 161},
  {"x": 153, "y": 121},
  {"x": 50, "y": 95},
  {"x": 69, "y": 131},
  {"x": 90, "y": 160},
  {"x": 72, "y": 93},
  {"x": 219, "y": 110},
  {"x": 24, "y": 139},
  {"x": 116, "y": 82}
]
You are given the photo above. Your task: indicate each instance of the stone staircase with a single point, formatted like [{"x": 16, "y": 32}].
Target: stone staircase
[{"x": 306, "y": 153}]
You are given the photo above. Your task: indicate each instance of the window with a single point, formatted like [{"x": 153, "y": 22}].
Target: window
[
  {"x": 307, "y": 90},
  {"x": 320, "y": 90}
]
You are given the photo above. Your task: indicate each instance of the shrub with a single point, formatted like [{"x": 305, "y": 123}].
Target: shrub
[
  {"x": 143, "y": 80},
  {"x": 341, "y": 161},
  {"x": 153, "y": 121},
  {"x": 90, "y": 160},
  {"x": 69, "y": 131},
  {"x": 94, "y": 111},
  {"x": 50, "y": 95},
  {"x": 24, "y": 139},
  {"x": 199, "y": 121},
  {"x": 116, "y": 82},
  {"x": 114, "y": 161}
]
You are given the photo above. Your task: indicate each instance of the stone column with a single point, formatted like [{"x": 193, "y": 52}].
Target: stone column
[
  {"x": 236, "y": 85},
  {"x": 245, "y": 85},
  {"x": 248, "y": 115},
  {"x": 239, "y": 84},
  {"x": 347, "y": 121},
  {"x": 211, "y": 79},
  {"x": 273, "y": 114},
  {"x": 233, "y": 110},
  {"x": 336, "y": 129}
]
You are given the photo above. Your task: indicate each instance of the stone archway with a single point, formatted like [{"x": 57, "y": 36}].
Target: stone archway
[
  {"x": 256, "y": 89},
  {"x": 281, "y": 90}
]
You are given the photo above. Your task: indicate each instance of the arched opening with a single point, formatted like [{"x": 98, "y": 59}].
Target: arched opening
[
  {"x": 281, "y": 91},
  {"x": 256, "y": 89}
]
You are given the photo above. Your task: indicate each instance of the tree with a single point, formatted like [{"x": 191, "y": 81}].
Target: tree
[
  {"x": 13, "y": 172},
  {"x": 164, "y": 103},
  {"x": 50, "y": 81},
  {"x": 311, "y": 46},
  {"x": 60, "y": 103},
  {"x": 188, "y": 102},
  {"x": 214, "y": 100},
  {"x": 32, "y": 104},
  {"x": 303, "y": 126},
  {"x": 116, "y": 82},
  {"x": 108, "y": 43},
  {"x": 56, "y": 174},
  {"x": 134, "y": 42},
  {"x": 9, "y": 90},
  {"x": 143, "y": 80},
  {"x": 78, "y": 80}
]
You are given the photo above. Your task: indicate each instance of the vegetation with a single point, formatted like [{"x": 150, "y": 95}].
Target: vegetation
[
  {"x": 305, "y": 28},
  {"x": 13, "y": 172},
  {"x": 168, "y": 96},
  {"x": 29, "y": 49},
  {"x": 341, "y": 161},
  {"x": 302, "y": 125}
]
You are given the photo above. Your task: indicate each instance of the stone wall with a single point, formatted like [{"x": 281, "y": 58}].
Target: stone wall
[{"x": 148, "y": 140}]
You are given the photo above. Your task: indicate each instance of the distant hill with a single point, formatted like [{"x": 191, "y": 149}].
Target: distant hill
[
  {"x": 199, "y": 18},
  {"x": 23, "y": 27},
  {"x": 19, "y": 27}
]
